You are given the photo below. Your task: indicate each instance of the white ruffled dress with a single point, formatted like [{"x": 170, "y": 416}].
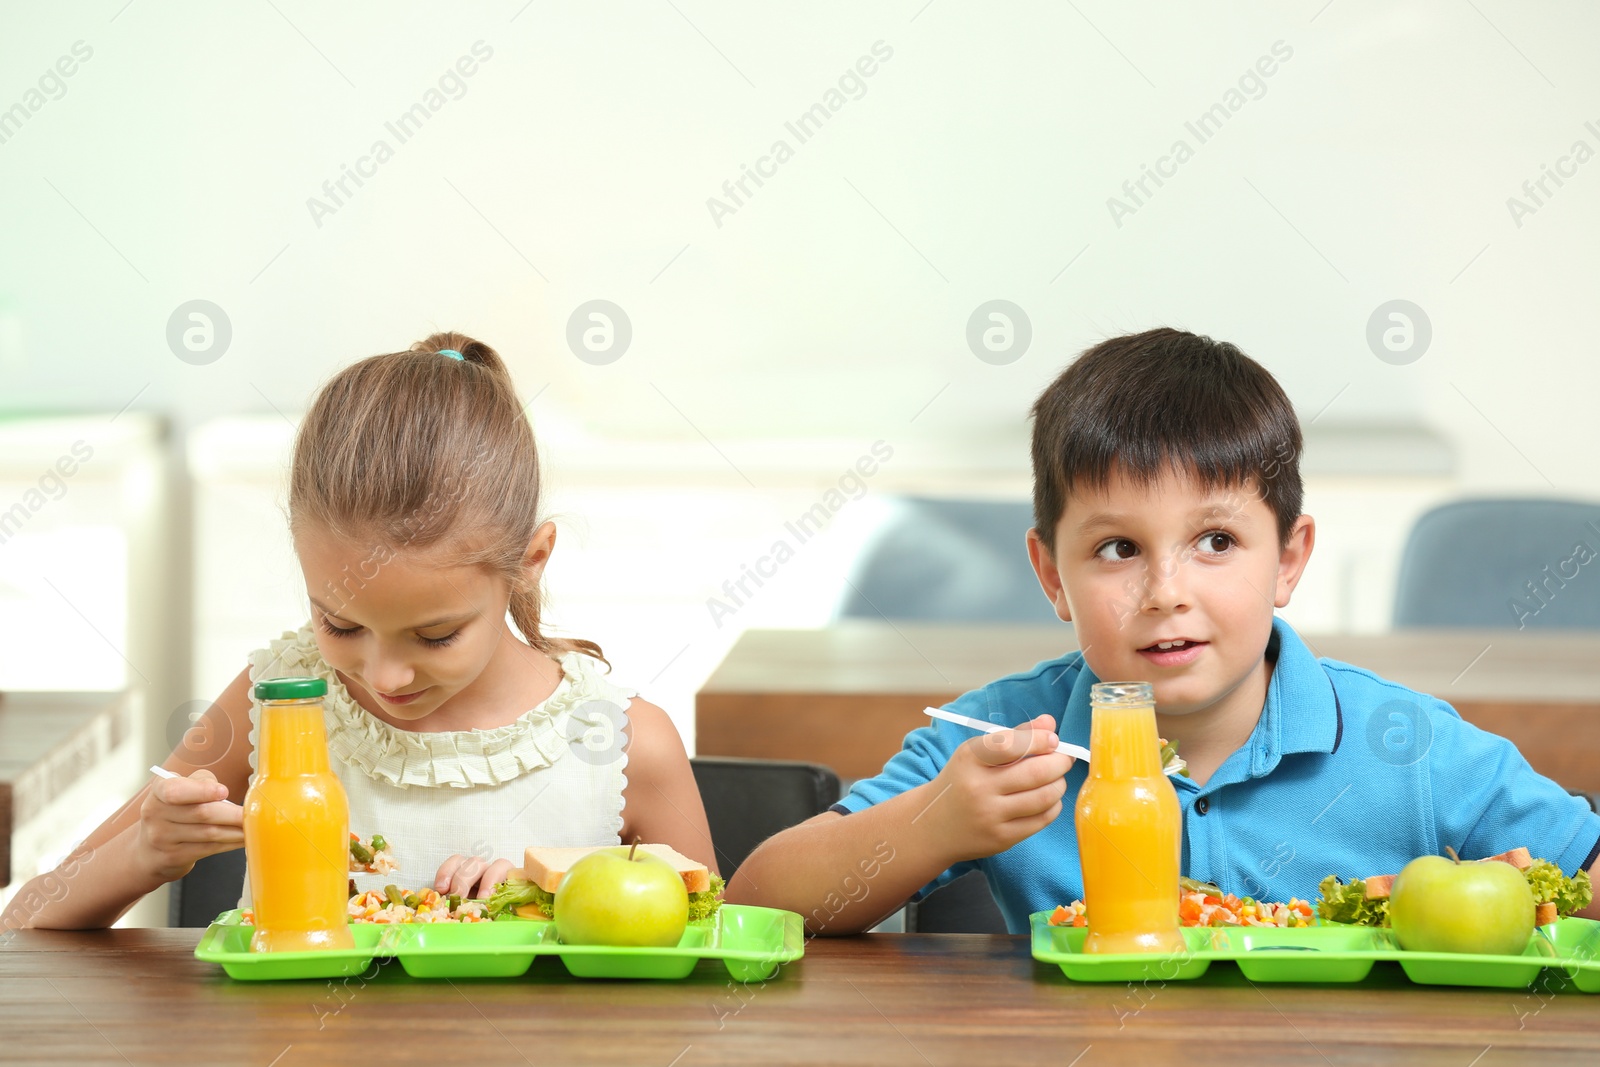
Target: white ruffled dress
[{"x": 553, "y": 777}]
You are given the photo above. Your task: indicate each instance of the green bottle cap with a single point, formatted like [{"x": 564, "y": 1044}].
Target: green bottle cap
[{"x": 290, "y": 688}]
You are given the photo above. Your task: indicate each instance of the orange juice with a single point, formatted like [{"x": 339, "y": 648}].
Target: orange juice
[
  {"x": 1129, "y": 827},
  {"x": 296, "y": 825}
]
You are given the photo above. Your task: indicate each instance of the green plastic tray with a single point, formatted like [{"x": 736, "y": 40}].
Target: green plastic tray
[
  {"x": 227, "y": 941},
  {"x": 751, "y": 942},
  {"x": 1326, "y": 953}
]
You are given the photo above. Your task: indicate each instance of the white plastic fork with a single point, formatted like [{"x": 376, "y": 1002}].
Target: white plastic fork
[{"x": 1075, "y": 751}]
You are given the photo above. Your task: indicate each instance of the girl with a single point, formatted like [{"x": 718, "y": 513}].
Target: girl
[{"x": 413, "y": 506}]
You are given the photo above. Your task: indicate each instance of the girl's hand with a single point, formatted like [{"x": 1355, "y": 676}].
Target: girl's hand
[
  {"x": 1002, "y": 787},
  {"x": 471, "y": 877},
  {"x": 186, "y": 819}
]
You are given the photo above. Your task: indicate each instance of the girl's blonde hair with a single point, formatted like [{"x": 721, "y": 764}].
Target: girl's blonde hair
[{"x": 417, "y": 449}]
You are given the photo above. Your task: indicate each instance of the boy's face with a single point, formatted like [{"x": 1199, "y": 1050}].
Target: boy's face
[{"x": 1135, "y": 567}]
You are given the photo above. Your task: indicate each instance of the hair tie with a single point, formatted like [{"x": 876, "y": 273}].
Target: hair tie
[{"x": 452, "y": 353}]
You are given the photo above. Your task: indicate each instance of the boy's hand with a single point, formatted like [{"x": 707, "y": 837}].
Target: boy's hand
[
  {"x": 186, "y": 819},
  {"x": 998, "y": 789},
  {"x": 470, "y": 877}
]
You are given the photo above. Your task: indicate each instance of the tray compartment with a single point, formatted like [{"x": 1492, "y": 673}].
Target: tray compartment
[{"x": 1063, "y": 946}]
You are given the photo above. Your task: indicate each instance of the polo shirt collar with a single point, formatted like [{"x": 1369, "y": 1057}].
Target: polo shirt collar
[{"x": 1301, "y": 714}]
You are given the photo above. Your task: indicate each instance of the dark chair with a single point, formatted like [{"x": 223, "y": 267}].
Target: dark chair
[
  {"x": 964, "y": 906},
  {"x": 1502, "y": 564},
  {"x": 950, "y": 561},
  {"x": 210, "y": 889},
  {"x": 749, "y": 800}
]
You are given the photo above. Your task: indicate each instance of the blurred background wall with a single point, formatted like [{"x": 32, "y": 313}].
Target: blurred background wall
[{"x": 797, "y": 222}]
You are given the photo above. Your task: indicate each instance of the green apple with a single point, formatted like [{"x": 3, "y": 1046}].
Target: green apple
[
  {"x": 1443, "y": 905},
  {"x": 618, "y": 897}
]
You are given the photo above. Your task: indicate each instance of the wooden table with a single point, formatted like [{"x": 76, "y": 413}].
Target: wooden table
[
  {"x": 845, "y": 696},
  {"x": 138, "y": 996}
]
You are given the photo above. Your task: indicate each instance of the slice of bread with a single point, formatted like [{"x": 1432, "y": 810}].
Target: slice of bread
[
  {"x": 1519, "y": 857},
  {"x": 547, "y": 866}
]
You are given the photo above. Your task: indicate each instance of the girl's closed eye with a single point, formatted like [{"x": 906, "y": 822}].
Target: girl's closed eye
[
  {"x": 330, "y": 628},
  {"x": 431, "y": 642}
]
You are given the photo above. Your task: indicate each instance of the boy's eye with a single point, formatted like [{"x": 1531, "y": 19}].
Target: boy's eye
[
  {"x": 1215, "y": 542},
  {"x": 1117, "y": 548}
]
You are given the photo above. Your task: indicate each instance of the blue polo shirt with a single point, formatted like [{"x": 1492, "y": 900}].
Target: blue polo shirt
[{"x": 1345, "y": 773}]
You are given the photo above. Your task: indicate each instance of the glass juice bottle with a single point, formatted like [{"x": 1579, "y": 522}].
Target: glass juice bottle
[
  {"x": 296, "y": 825},
  {"x": 1129, "y": 827}
]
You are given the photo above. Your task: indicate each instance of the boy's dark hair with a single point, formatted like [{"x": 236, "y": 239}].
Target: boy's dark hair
[{"x": 1163, "y": 400}]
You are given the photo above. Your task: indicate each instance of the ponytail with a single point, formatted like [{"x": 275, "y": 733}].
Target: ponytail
[{"x": 525, "y": 608}]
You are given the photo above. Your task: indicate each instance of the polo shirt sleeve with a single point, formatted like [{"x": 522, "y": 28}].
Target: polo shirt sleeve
[
  {"x": 922, "y": 756},
  {"x": 1488, "y": 800}
]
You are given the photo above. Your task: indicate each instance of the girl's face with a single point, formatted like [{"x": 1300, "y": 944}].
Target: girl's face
[{"x": 409, "y": 631}]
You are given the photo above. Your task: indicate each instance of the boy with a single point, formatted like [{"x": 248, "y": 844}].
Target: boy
[{"x": 1167, "y": 528}]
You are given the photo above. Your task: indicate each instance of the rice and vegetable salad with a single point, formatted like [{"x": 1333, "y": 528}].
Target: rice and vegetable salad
[
  {"x": 372, "y": 857},
  {"x": 395, "y": 905},
  {"x": 1202, "y": 904}
]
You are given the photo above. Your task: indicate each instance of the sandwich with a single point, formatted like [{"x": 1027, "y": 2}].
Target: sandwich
[
  {"x": 529, "y": 891},
  {"x": 1365, "y": 901}
]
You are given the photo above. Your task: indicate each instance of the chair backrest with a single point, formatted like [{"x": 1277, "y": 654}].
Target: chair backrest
[
  {"x": 207, "y": 891},
  {"x": 749, "y": 800},
  {"x": 949, "y": 560},
  {"x": 963, "y": 906},
  {"x": 1502, "y": 564}
]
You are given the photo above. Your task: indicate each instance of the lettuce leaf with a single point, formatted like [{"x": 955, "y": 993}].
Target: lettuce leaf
[
  {"x": 1550, "y": 885},
  {"x": 1577, "y": 895},
  {"x": 513, "y": 893},
  {"x": 704, "y": 904},
  {"x": 1346, "y": 902}
]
